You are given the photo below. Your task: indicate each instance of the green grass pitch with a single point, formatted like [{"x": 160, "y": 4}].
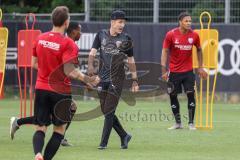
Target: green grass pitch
[{"x": 147, "y": 122}]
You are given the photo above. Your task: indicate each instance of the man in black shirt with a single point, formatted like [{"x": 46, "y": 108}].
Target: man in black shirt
[{"x": 110, "y": 43}]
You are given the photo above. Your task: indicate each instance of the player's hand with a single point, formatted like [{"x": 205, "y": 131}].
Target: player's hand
[
  {"x": 90, "y": 71},
  {"x": 135, "y": 87},
  {"x": 165, "y": 76},
  {"x": 202, "y": 73},
  {"x": 88, "y": 87},
  {"x": 92, "y": 81}
]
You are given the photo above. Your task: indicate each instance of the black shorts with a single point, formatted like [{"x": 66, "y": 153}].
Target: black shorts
[
  {"x": 185, "y": 79},
  {"x": 51, "y": 108}
]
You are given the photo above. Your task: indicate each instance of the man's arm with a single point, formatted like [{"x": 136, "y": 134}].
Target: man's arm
[
  {"x": 34, "y": 62},
  {"x": 91, "y": 58},
  {"x": 132, "y": 67},
  {"x": 200, "y": 57},
  {"x": 164, "y": 57},
  {"x": 95, "y": 46},
  {"x": 165, "y": 52},
  {"x": 133, "y": 70},
  {"x": 74, "y": 73},
  {"x": 202, "y": 73}
]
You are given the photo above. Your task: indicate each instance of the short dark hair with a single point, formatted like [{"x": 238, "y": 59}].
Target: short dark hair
[
  {"x": 182, "y": 15},
  {"x": 59, "y": 15},
  {"x": 72, "y": 26}
]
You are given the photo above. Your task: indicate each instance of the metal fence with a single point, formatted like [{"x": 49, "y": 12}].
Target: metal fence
[
  {"x": 164, "y": 11},
  {"x": 149, "y": 11},
  {"x": 136, "y": 10},
  {"x": 39, "y": 17}
]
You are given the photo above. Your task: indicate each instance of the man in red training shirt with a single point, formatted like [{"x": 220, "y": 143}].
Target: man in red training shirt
[
  {"x": 55, "y": 57},
  {"x": 73, "y": 32},
  {"x": 178, "y": 45}
]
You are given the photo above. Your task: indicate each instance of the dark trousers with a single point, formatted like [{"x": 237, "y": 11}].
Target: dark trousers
[{"x": 109, "y": 95}]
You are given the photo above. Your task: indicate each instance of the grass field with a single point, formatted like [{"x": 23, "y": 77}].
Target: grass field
[{"x": 151, "y": 139}]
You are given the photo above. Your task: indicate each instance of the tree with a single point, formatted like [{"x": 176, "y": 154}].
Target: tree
[
  {"x": 169, "y": 10},
  {"x": 235, "y": 11},
  {"x": 214, "y": 7},
  {"x": 43, "y": 6},
  {"x": 101, "y": 10},
  {"x": 17, "y": 6}
]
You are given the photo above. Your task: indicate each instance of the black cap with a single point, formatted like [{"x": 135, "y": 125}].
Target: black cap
[{"x": 118, "y": 14}]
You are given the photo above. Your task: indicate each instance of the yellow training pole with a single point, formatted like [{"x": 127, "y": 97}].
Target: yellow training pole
[
  {"x": 208, "y": 64},
  {"x": 201, "y": 102},
  {"x": 213, "y": 94},
  {"x": 3, "y": 51},
  {"x": 1, "y": 81},
  {"x": 201, "y": 80},
  {"x": 209, "y": 37},
  {"x": 213, "y": 90},
  {"x": 197, "y": 105},
  {"x": 0, "y": 14}
]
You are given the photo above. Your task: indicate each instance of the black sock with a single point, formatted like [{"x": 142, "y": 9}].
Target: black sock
[
  {"x": 175, "y": 108},
  {"x": 72, "y": 114},
  {"x": 53, "y": 146},
  {"x": 27, "y": 120},
  {"x": 38, "y": 141},
  {"x": 68, "y": 124},
  {"x": 191, "y": 106}
]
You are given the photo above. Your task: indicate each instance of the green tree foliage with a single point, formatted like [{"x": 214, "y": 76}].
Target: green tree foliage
[
  {"x": 42, "y": 6},
  {"x": 101, "y": 10},
  {"x": 75, "y": 6},
  {"x": 169, "y": 10},
  {"x": 18, "y": 6},
  {"x": 235, "y": 11},
  {"x": 139, "y": 11},
  {"x": 214, "y": 7}
]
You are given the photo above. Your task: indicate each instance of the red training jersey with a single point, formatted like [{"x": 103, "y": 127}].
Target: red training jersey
[
  {"x": 53, "y": 50},
  {"x": 180, "y": 47}
]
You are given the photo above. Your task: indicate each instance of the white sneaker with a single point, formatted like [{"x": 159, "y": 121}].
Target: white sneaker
[
  {"x": 65, "y": 143},
  {"x": 39, "y": 156},
  {"x": 13, "y": 126},
  {"x": 176, "y": 126},
  {"x": 192, "y": 127}
]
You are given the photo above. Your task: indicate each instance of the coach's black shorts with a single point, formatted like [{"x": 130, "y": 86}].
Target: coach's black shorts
[
  {"x": 185, "y": 79},
  {"x": 51, "y": 107}
]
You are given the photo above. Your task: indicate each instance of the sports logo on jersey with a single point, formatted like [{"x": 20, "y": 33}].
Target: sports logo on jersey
[
  {"x": 51, "y": 45},
  {"x": 190, "y": 40},
  {"x": 176, "y": 41},
  {"x": 184, "y": 47},
  {"x": 118, "y": 43},
  {"x": 104, "y": 41}
]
